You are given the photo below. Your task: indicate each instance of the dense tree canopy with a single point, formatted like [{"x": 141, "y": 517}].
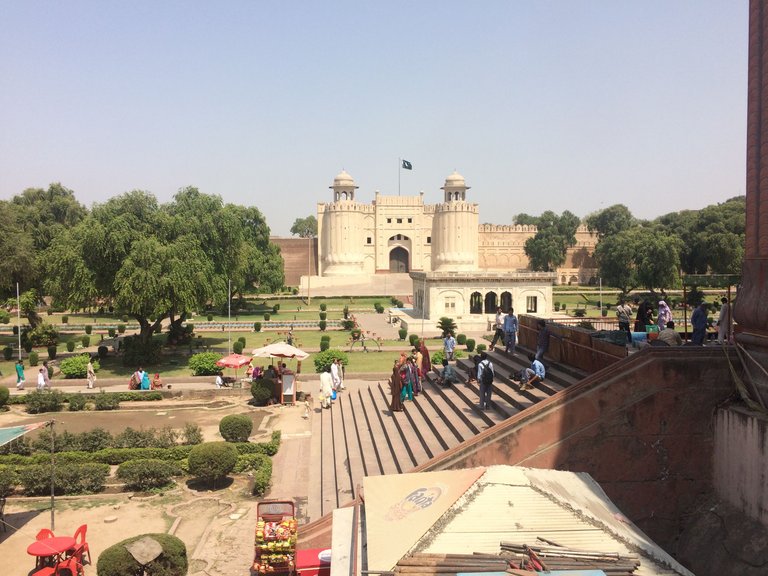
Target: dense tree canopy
[
  {"x": 555, "y": 234},
  {"x": 157, "y": 262},
  {"x": 652, "y": 255},
  {"x": 305, "y": 227}
]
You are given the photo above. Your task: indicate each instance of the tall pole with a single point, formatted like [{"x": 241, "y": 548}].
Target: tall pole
[
  {"x": 53, "y": 475},
  {"x": 601, "y": 296},
  {"x": 229, "y": 315},
  {"x": 309, "y": 270},
  {"x": 18, "y": 317},
  {"x": 399, "y": 170}
]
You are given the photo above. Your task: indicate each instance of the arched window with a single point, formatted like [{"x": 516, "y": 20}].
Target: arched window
[
  {"x": 491, "y": 303},
  {"x": 476, "y": 303},
  {"x": 506, "y": 302}
]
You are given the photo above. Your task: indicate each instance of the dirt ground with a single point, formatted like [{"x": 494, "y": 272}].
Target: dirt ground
[{"x": 217, "y": 526}]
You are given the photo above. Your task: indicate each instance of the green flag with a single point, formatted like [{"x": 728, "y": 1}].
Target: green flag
[{"x": 407, "y": 165}]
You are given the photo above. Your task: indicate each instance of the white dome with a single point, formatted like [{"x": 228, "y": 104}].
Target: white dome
[
  {"x": 455, "y": 180},
  {"x": 343, "y": 180}
]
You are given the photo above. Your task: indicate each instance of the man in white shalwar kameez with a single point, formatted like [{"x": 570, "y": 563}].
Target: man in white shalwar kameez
[{"x": 326, "y": 389}]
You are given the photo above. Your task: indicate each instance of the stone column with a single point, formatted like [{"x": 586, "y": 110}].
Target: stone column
[{"x": 751, "y": 307}]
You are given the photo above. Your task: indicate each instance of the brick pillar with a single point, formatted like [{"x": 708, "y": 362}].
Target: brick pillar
[{"x": 751, "y": 307}]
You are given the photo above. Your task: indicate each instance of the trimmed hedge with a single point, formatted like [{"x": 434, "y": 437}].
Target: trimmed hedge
[
  {"x": 117, "y": 561},
  {"x": 46, "y": 401},
  {"x": 8, "y": 480},
  {"x": 261, "y": 466},
  {"x": 204, "y": 364},
  {"x": 82, "y": 478},
  {"x": 147, "y": 474}
]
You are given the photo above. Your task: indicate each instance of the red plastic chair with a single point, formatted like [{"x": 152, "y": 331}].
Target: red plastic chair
[
  {"x": 81, "y": 546},
  {"x": 72, "y": 566},
  {"x": 43, "y": 534}
]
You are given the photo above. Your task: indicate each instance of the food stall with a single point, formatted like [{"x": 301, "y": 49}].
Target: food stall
[{"x": 275, "y": 539}]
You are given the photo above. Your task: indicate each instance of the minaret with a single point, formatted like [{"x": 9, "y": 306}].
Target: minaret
[
  {"x": 454, "y": 229},
  {"x": 342, "y": 231}
]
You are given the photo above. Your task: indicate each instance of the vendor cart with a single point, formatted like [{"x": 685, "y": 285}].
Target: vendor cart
[{"x": 275, "y": 539}]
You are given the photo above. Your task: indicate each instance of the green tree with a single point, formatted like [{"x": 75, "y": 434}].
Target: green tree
[
  {"x": 615, "y": 257},
  {"x": 18, "y": 249},
  {"x": 524, "y": 219},
  {"x": 658, "y": 261},
  {"x": 610, "y": 221},
  {"x": 555, "y": 234},
  {"x": 305, "y": 227}
]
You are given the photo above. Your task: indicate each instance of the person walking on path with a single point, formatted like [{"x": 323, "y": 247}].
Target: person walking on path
[
  {"x": 510, "y": 332},
  {"x": 20, "y": 375},
  {"x": 326, "y": 388},
  {"x": 542, "y": 341},
  {"x": 90, "y": 374},
  {"x": 336, "y": 374},
  {"x": 40, "y": 380},
  {"x": 498, "y": 325},
  {"x": 664, "y": 315},
  {"x": 47, "y": 376},
  {"x": 396, "y": 389},
  {"x": 624, "y": 316},
  {"x": 699, "y": 324},
  {"x": 485, "y": 376},
  {"x": 724, "y": 322},
  {"x": 449, "y": 345},
  {"x": 426, "y": 361}
]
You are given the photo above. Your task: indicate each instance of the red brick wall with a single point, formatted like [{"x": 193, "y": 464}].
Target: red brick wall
[{"x": 295, "y": 252}]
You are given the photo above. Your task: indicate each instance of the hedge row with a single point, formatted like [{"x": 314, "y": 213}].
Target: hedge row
[
  {"x": 115, "y": 456},
  {"x": 91, "y": 397},
  {"x": 85, "y": 478}
]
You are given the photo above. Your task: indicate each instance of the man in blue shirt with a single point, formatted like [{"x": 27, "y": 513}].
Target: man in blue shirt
[
  {"x": 510, "y": 332},
  {"x": 529, "y": 376}
]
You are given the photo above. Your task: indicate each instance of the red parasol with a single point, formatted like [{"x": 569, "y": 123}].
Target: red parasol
[{"x": 234, "y": 361}]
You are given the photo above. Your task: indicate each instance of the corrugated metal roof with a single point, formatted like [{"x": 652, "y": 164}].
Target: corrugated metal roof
[{"x": 520, "y": 504}]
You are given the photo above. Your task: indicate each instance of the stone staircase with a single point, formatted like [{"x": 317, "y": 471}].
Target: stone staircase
[{"x": 361, "y": 437}]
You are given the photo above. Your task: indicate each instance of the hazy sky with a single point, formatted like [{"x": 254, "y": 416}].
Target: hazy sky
[{"x": 562, "y": 105}]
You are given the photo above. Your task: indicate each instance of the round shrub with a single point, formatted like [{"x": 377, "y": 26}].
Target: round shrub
[
  {"x": 402, "y": 333},
  {"x": 461, "y": 339},
  {"x": 210, "y": 317},
  {"x": 52, "y": 351},
  {"x": 88, "y": 328},
  {"x": 481, "y": 347},
  {"x": 124, "y": 318},
  {"x": 275, "y": 308},
  {"x": 103, "y": 351},
  {"x": 324, "y": 345},
  {"x": 470, "y": 344},
  {"x": 212, "y": 461},
  {"x": 7, "y": 352},
  {"x": 413, "y": 339},
  {"x": 323, "y": 315},
  {"x": 147, "y": 474},
  {"x": 111, "y": 332},
  {"x": 77, "y": 366},
  {"x": 34, "y": 358},
  {"x": 262, "y": 390},
  {"x": 86, "y": 341},
  {"x": 325, "y": 337},
  {"x": 322, "y": 325},
  {"x": 27, "y": 346},
  {"x": 323, "y": 360},
  {"x": 237, "y": 347},
  {"x": 71, "y": 346},
  {"x": 117, "y": 561},
  {"x": 257, "y": 326},
  {"x": 266, "y": 316},
  {"x": 204, "y": 364},
  {"x": 323, "y": 307},
  {"x": 121, "y": 328},
  {"x": 236, "y": 428},
  {"x": 65, "y": 319},
  {"x": 4, "y": 395},
  {"x": 5, "y": 317}
]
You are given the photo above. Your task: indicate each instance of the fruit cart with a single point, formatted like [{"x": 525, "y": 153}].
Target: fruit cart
[{"x": 275, "y": 540}]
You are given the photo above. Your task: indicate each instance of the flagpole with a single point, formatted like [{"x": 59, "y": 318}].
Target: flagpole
[
  {"x": 399, "y": 169},
  {"x": 18, "y": 316}
]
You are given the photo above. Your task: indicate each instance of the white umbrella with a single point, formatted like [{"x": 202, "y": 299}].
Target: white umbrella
[{"x": 279, "y": 350}]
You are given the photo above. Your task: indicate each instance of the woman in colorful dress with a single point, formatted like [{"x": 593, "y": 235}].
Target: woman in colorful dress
[{"x": 396, "y": 387}]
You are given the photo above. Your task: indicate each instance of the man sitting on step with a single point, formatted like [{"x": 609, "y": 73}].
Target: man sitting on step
[
  {"x": 448, "y": 375},
  {"x": 529, "y": 376}
]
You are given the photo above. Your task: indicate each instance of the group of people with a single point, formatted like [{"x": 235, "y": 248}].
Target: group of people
[
  {"x": 331, "y": 383},
  {"x": 43, "y": 379},
  {"x": 139, "y": 380},
  {"x": 666, "y": 326},
  {"x": 408, "y": 373},
  {"x": 505, "y": 330}
]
